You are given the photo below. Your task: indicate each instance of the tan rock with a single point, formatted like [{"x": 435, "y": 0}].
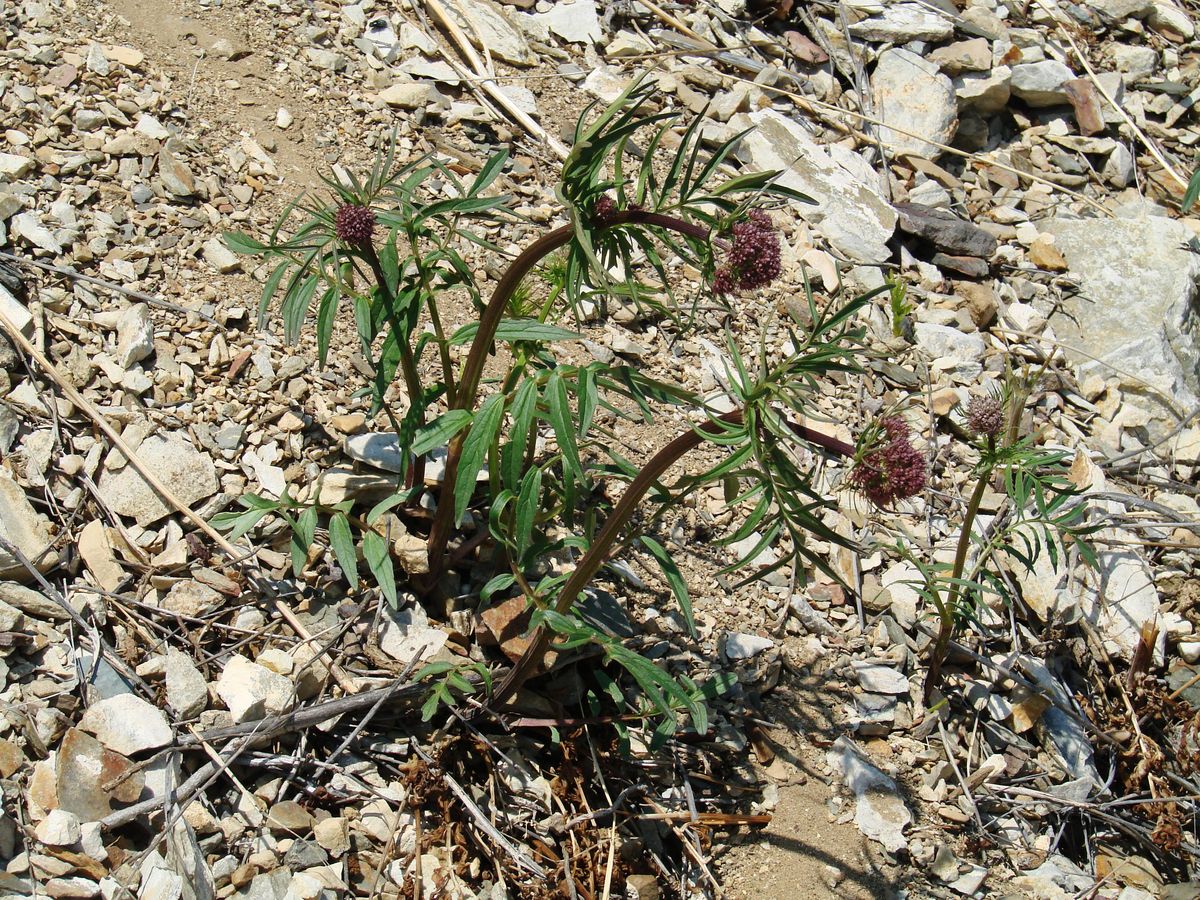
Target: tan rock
[
  {"x": 95, "y": 545},
  {"x": 1044, "y": 255}
]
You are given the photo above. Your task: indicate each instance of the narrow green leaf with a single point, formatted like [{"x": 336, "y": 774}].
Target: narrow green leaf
[
  {"x": 674, "y": 579},
  {"x": 527, "y": 507},
  {"x": 1192, "y": 194},
  {"x": 270, "y": 289},
  {"x": 239, "y": 242},
  {"x": 560, "y": 418},
  {"x": 439, "y": 432},
  {"x": 511, "y": 330},
  {"x": 379, "y": 561},
  {"x": 474, "y": 451},
  {"x": 490, "y": 171},
  {"x": 497, "y": 583},
  {"x": 522, "y": 410},
  {"x": 342, "y": 542}
]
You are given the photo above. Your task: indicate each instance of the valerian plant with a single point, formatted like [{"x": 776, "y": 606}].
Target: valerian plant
[
  {"x": 532, "y": 514},
  {"x": 1040, "y": 513}
]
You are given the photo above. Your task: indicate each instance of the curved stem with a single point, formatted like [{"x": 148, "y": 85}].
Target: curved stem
[
  {"x": 615, "y": 523},
  {"x": 481, "y": 347},
  {"x": 946, "y": 610}
]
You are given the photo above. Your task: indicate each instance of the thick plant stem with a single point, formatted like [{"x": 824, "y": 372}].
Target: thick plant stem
[
  {"x": 615, "y": 523},
  {"x": 481, "y": 347},
  {"x": 946, "y": 610},
  {"x": 408, "y": 366}
]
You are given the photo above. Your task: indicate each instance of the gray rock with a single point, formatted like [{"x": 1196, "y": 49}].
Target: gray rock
[
  {"x": 880, "y": 679},
  {"x": 251, "y": 691},
  {"x": 31, "y": 602},
  {"x": 880, "y": 811},
  {"x": 945, "y": 230},
  {"x": 1041, "y": 83},
  {"x": 1126, "y": 600},
  {"x": 1119, "y": 10},
  {"x": 187, "y": 472},
  {"x": 135, "y": 335},
  {"x": 220, "y": 257},
  {"x": 1120, "y": 168},
  {"x": 1134, "y": 312},
  {"x": 161, "y": 884},
  {"x": 187, "y": 691},
  {"x": 1060, "y": 731},
  {"x": 912, "y": 94},
  {"x": 1136, "y": 61},
  {"x": 576, "y": 22},
  {"x": 953, "y": 351},
  {"x": 176, "y": 176},
  {"x": 984, "y": 92},
  {"x": 127, "y": 724},
  {"x": 904, "y": 22},
  {"x": 487, "y": 25},
  {"x": 1166, "y": 16},
  {"x": 13, "y": 166},
  {"x": 406, "y": 634},
  {"x": 29, "y": 228},
  {"x": 26, "y": 529},
  {"x": 381, "y": 450},
  {"x": 850, "y": 211},
  {"x": 326, "y": 60},
  {"x": 59, "y": 829},
  {"x": 739, "y": 645}
]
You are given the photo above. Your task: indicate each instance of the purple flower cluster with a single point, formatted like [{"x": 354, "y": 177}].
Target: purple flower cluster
[
  {"x": 892, "y": 468},
  {"x": 985, "y": 416},
  {"x": 604, "y": 208},
  {"x": 354, "y": 224},
  {"x": 753, "y": 260}
]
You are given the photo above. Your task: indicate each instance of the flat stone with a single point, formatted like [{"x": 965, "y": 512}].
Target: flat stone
[
  {"x": 187, "y": 691},
  {"x": 75, "y": 887},
  {"x": 1126, "y": 601},
  {"x": 903, "y": 22},
  {"x": 945, "y": 230},
  {"x": 127, "y": 724},
  {"x": 291, "y": 817},
  {"x": 912, "y": 94},
  {"x": 130, "y": 57},
  {"x": 1041, "y": 83},
  {"x": 953, "y": 350},
  {"x": 974, "y": 55},
  {"x": 60, "y": 828},
  {"x": 11, "y": 758},
  {"x": 161, "y": 883},
  {"x": 176, "y": 177},
  {"x": 412, "y": 95},
  {"x": 186, "y": 471},
  {"x": 14, "y": 166},
  {"x": 220, "y": 257},
  {"x": 26, "y": 529},
  {"x": 405, "y": 634},
  {"x": 577, "y": 22},
  {"x": 850, "y": 212},
  {"x": 135, "y": 335},
  {"x": 986, "y": 93},
  {"x": 333, "y": 835},
  {"x": 880, "y": 679},
  {"x": 30, "y": 229},
  {"x": 14, "y": 312},
  {"x": 880, "y": 811},
  {"x": 251, "y": 691},
  {"x": 380, "y": 450},
  {"x": 191, "y": 598},
  {"x": 740, "y": 645},
  {"x": 1133, "y": 312},
  {"x": 490, "y": 27},
  {"x": 31, "y": 602},
  {"x": 99, "y": 555}
]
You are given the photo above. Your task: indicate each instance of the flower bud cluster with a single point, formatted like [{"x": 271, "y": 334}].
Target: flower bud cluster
[
  {"x": 753, "y": 259},
  {"x": 354, "y": 224},
  {"x": 892, "y": 469}
]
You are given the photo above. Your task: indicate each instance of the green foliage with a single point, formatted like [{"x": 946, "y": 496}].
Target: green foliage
[
  {"x": 899, "y": 304},
  {"x": 527, "y": 461},
  {"x": 1192, "y": 194},
  {"x": 452, "y": 679}
]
